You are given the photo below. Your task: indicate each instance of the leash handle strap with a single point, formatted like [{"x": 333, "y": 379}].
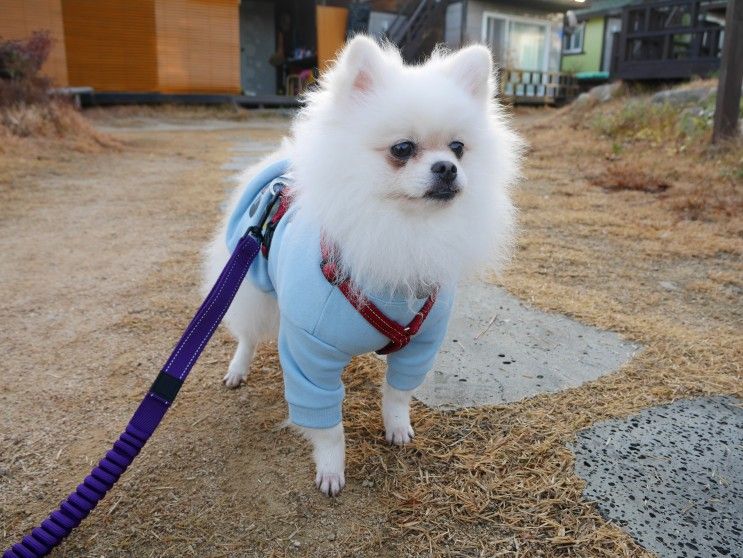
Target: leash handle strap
[{"x": 148, "y": 415}]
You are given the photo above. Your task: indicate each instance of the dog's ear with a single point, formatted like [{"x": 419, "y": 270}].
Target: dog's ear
[
  {"x": 472, "y": 67},
  {"x": 361, "y": 65}
]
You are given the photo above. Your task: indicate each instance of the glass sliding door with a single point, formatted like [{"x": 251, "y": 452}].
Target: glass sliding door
[
  {"x": 516, "y": 42},
  {"x": 495, "y": 35},
  {"x": 528, "y": 45}
]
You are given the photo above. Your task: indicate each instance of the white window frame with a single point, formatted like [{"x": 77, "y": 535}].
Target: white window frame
[
  {"x": 567, "y": 38},
  {"x": 486, "y": 15}
]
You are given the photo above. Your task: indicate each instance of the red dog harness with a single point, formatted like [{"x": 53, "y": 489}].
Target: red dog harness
[{"x": 398, "y": 334}]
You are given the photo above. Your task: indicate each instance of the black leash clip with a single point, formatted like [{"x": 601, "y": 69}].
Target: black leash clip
[{"x": 263, "y": 231}]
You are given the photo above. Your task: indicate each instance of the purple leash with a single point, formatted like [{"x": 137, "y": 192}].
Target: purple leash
[{"x": 150, "y": 412}]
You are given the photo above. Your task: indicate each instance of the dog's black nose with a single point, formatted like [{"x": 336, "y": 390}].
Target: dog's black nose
[
  {"x": 445, "y": 171},
  {"x": 444, "y": 186}
]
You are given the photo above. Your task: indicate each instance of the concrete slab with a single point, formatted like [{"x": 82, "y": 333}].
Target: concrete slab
[
  {"x": 500, "y": 350},
  {"x": 672, "y": 476},
  {"x": 248, "y": 153},
  {"x": 241, "y": 163}
]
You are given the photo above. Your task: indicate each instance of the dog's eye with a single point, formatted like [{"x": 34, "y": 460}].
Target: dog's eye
[
  {"x": 457, "y": 148},
  {"x": 403, "y": 150}
]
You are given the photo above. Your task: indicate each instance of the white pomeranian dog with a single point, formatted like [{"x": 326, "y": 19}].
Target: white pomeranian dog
[{"x": 404, "y": 172}]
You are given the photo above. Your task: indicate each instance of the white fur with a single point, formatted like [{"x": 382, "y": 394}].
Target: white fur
[
  {"x": 396, "y": 415},
  {"x": 339, "y": 151},
  {"x": 391, "y": 239},
  {"x": 329, "y": 453}
]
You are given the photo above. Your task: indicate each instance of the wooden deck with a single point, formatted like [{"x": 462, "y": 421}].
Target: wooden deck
[{"x": 669, "y": 39}]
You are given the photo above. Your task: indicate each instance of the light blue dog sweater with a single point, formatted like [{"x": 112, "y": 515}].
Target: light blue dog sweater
[{"x": 320, "y": 330}]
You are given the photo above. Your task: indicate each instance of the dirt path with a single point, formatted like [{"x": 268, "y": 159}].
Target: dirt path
[{"x": 99, "y": 275}]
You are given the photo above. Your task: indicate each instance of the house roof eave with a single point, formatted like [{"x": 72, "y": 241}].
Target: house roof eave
[
  {"x": 600, "y": 8},
  {"x": 549, "y": 6}
]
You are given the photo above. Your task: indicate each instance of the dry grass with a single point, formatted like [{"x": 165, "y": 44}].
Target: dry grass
[
  {"x": 24, "y": 126},
  {"x": 627, "y": 177},
  {"x": 495, "y": 481},
  {"x": 651, "y": 147},
  {"x": 31, "y": 118}
]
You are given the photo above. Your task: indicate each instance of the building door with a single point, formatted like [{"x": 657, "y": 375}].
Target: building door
[
  {"x": 613, "y": 25},
  {"x": 517, "y": 43},
  {"x": 257, "y": 44}
]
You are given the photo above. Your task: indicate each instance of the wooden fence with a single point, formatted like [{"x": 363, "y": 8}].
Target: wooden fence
[{"x": 536, "y": 87}]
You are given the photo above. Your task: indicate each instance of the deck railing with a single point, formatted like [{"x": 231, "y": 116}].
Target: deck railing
[
  {"x": 669, "y": 39},
  {"x": 535, "y": 87}
]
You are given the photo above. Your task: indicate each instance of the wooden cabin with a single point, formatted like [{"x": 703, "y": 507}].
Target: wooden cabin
[{"x": 178, "y": 46}]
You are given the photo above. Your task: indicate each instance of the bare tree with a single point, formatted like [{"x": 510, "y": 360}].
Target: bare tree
[{"x": 731, "y": 74}]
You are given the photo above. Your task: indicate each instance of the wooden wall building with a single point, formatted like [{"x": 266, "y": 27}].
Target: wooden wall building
[
  {"x": 170, "y": 46},
  {"x": 180, "y": 46},
  {"x": 19, "y": 18}
]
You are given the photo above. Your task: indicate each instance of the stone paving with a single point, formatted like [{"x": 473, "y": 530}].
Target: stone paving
[
  {"x": 246, "y": 154},
  {"x": 672, "y": 476},
  {"x": 500, "y": 350}
]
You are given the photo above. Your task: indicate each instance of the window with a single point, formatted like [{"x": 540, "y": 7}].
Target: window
[
  {"x": 517, "y": 43},
  {"x": 573, "y": 39}
]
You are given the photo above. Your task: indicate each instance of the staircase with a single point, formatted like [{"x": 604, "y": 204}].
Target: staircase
[{"x": 418, "y": 27}]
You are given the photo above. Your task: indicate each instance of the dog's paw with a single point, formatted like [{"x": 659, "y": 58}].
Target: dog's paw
[
  {"x": 329, "y": 483},
  {"x": 396, "y": 415},
  {"x": 234, "y": 378},
  {"x": 399, "y": 435}
]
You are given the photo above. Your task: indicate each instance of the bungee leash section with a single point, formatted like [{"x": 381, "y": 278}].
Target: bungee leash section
[{"x": 150, "y": 412}]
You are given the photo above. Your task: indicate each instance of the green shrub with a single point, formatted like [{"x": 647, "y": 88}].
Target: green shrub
[
  {"x": 637, "y": 120},
  {"x": 641, "y": 120}
]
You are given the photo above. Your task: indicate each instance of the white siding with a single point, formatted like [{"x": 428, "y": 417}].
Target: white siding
[{"x": 453, "y": 27}]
